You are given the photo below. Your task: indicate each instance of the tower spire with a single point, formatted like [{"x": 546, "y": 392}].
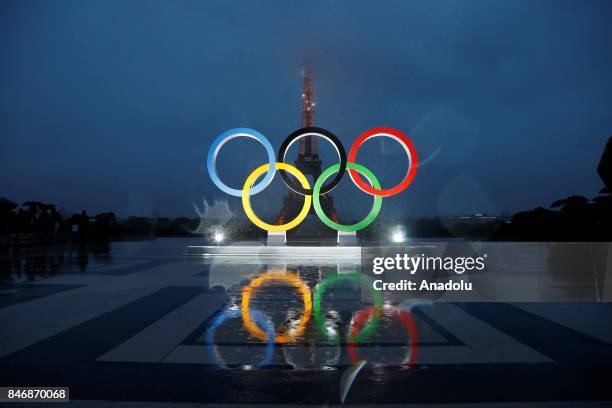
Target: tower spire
[
  {"x": 308, "y": 145},
  {"x": 308, "y": 104}
]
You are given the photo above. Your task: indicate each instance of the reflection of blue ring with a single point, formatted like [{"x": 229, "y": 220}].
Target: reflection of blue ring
[
  {"x": 231, "y": 313},
  {"x": 225, "y": 137}
]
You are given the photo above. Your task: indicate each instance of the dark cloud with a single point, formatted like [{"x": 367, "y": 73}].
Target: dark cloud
[{"x": 102, "y": 102}]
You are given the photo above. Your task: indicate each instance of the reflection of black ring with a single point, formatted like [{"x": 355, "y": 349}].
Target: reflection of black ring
[{"x": 312, "y": 131}]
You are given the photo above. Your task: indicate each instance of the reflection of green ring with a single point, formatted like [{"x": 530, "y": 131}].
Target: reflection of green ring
[
  {"x": 328, "y": 221},
  {"x": 320, "y": 321}
]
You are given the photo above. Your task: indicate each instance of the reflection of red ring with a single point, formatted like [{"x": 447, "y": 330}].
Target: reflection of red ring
[
  {"x": 410, "y": 150},
  {"x": 363, "y": 316}
]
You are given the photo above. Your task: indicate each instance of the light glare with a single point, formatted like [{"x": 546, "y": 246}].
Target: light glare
[{"x": 398, "y": 236}]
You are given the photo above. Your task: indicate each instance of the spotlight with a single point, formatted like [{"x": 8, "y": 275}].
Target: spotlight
[
  {"x": 219, "y": 237},
  {"x": 398, "y": 236}
]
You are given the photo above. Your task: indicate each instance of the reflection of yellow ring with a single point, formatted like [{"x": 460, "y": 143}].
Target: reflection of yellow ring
[
  {"x": 246, "y": 198},
  {"x": 291, "y": 279}
]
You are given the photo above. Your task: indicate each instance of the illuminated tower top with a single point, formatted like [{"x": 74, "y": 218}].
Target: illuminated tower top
[{"x": 308, "y": 145}]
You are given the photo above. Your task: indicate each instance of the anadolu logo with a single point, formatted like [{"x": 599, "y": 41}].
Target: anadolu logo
[{"x": 312, "y": 196}]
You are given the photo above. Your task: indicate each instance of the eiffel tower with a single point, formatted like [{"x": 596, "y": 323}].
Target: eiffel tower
[{"x": 309, "y": 163}]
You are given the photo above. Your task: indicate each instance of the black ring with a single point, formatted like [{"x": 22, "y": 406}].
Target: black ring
[{"x": 326, "y": 134}]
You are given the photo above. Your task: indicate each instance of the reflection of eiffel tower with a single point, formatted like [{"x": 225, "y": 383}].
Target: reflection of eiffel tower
[{"x": 308, "y": 162}]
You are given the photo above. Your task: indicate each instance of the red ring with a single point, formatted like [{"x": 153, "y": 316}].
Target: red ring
[
  {"x": 401, "y": 138},
  {"x": 404, "y": 316}
]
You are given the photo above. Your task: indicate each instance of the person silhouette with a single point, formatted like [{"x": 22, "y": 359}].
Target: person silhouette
[
  {"x": 45, "y": 222},
  {"x": 83, "y": 226},
  {"x": 57, "y": 219}
]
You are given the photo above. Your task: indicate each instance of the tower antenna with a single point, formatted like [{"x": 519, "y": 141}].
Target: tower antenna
[{"x": 308, "y": 145}]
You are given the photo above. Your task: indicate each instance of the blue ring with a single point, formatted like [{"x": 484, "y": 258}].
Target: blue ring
[
  {"x": 231, "y": 313},
  {"x": 211, "y": 162}
]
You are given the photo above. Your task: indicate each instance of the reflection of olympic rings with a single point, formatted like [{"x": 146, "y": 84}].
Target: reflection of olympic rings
[
  {"x": 213, "y": 152},
  {"x": 312, "y": 131},
  {"x": 290, "y": 279},
  {"x": 403, "y": 315},
  {"x": 408, "y": 147},
  {"x": 246, "y": 198},
  {"x": 328, "y": 221},
  {"x": 231, "y": 313},
  {"x": 318, "y": 296},
  {"x": 319, "y": 188}
]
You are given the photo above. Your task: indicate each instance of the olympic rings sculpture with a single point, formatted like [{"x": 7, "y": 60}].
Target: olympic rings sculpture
[
  {"x": 231, "y": 313},
  {"x": 312, "y": 196},
  {"x": 252, "y": 325}
]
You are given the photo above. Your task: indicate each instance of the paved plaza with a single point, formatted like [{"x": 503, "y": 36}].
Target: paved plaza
[{"x": 128, "y": 322}]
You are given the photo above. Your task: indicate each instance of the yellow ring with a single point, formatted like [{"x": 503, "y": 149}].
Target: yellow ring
[
  {"x": 288, "y": 278},
  {"x": 246, "y": 198}
]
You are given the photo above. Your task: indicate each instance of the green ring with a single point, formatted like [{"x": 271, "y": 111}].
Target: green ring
[
  {"x": 321, "y": 288},
  {"x": 328, "y": 221}
]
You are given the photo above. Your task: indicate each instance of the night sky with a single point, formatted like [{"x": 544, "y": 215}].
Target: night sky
[{"x": 112, "y": 105}]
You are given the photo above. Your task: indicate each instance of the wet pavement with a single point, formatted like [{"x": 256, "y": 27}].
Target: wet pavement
[{"x": 136, "y": 321}]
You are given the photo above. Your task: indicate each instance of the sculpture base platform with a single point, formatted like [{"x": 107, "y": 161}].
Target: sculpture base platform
[
  {"x": 348, "y": 239},
  {"x": 280, "y": 252}
]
